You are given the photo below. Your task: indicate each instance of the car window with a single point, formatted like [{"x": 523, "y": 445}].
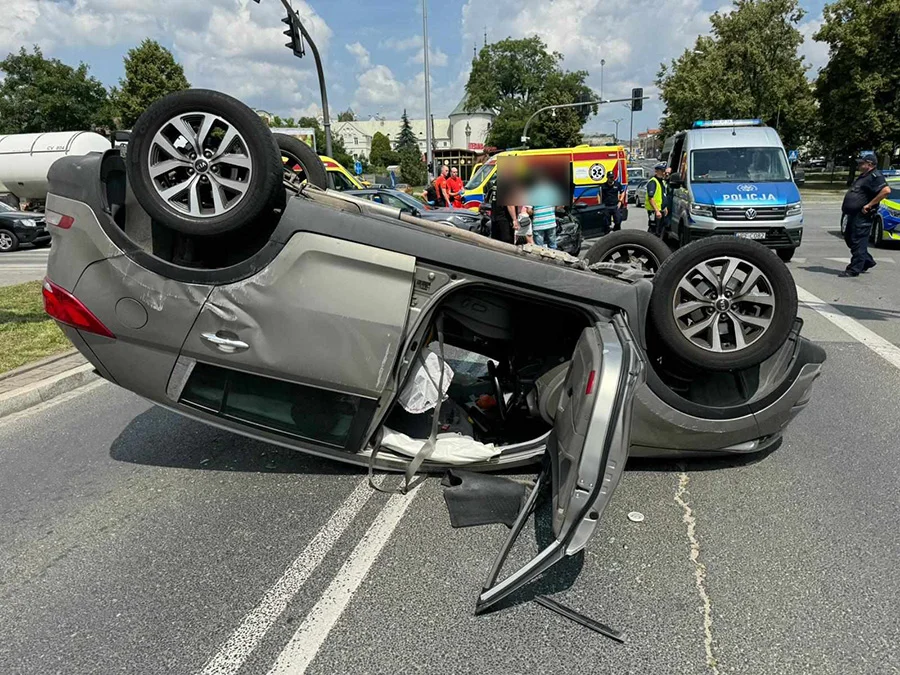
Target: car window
[
  {"x": 341, "y": 182},
  {"x": 726, "y": 165},
  {"x": 479, "y": 176},
  {"x": 6, "y": 207},
  {"x": 396, "y": 202}
]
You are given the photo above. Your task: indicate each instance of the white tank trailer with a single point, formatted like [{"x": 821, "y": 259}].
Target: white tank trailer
[{"x": 25, "y": 159}]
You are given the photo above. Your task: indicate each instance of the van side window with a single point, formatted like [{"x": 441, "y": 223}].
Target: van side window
[{"x": 677, "y": 153}]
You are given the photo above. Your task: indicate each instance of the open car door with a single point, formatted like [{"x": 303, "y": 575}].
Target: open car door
[{"x": 587, "y": 451}]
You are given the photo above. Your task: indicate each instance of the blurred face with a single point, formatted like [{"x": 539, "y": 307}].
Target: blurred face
[
  {"x": 444, "y": 170},
  {"x": 454, "y": 172},
  {"x": 865, "y": 166}
]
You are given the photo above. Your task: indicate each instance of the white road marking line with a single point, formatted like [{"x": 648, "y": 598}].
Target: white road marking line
[
  {"x": 699, "y": 570},
  {"x": 232, "y": 655},
  {"x": 312, "y": 633},
  {"x": 885, "y": 349}
]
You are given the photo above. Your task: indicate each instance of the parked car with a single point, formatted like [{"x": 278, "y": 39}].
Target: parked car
[
  {"x": 569, "y": 234},
  {"x": 229, "y": 292},
  {"x": 20, "y": 227},
  {"x": 633, "y": 185},
  {"x": 463, "y": 218},
  {"x": 886, "y": 224}
]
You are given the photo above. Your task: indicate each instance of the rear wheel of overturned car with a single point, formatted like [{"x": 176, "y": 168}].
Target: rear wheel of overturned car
[
  {"x": 203, "y": 163},
  {"x": 9, "y": 242},
  {"x": 723, "y": 304},
  {"x": 300, "y": 161},
  {"x": 630, "y": 247}
]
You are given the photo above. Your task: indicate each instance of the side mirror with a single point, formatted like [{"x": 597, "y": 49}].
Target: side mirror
[{"x": 675, "y": 180}]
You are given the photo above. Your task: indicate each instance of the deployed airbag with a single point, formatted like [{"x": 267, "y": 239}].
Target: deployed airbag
[{"x": 449, "y": 448}]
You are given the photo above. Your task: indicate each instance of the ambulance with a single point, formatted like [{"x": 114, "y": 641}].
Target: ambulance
[
  {"x": 338, "y": 177},
  {"x": 590, "y": 165}
]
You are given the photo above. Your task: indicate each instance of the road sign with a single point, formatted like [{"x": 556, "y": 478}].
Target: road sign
[
  {"x": 793, "y": 156},
  {"x": 358, "y": 168}
]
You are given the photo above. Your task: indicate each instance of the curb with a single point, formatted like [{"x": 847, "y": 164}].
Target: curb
[
  {"x": 28, "y": 367},
  {"x": 25, "y": 397}
]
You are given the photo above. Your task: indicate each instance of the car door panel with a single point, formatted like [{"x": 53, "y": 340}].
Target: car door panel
[
  {"x": 587, "y": 451},
  {"x": 325, "y": 312}
]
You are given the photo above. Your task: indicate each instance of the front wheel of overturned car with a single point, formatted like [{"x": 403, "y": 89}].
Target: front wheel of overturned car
[
  {"x": 630, "y": 247},
  {"x": 723, "y": 303},
  {"x": 203, "y": 163}
]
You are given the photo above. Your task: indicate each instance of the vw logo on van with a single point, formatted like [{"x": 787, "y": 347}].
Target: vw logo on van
[
  {"x": 750, "y": 213},
  {"x": 746, "y": 187}
]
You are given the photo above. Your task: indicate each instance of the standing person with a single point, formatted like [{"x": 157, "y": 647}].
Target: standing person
[
  {"x": 455, "y": 188},
  {"x": 440, "y": 183},
  {"x": 502, "y": 218},
  {"x": 611, "y": 199},
  {"x": 860, "y": 205},
  {"x": 655, "y": 202},
  {"x": 543, "y": 223},
  {"x": 524, "y": 229}
]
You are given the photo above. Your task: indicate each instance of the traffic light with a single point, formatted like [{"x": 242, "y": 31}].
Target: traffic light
[
  {"x": 293, "y": 32},
  {"x": 637, "y": 99}
]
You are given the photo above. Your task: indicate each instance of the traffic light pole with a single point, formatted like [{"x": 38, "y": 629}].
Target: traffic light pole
[
  {"x": 577, "y": 105},
  {"x": 631, "y": 131}
]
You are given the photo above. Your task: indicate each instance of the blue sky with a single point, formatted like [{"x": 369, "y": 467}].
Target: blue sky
[{"x": 372, "y": 48}]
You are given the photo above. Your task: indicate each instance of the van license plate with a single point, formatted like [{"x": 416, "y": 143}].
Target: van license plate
[{"x": 750, "y": 235}]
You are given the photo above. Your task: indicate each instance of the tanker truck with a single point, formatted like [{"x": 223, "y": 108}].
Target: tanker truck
[{"x": 26, "y": 158}]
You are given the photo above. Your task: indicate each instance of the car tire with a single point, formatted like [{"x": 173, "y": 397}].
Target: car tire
[
  {"x": 633, "y": 247},
  {"x": 209, "y": 202},
  {"x": 786, "y": 253},
  {"x": 684, "y": 234},
  {"x": 843, "y": 223},
  {"x": 294, "y": 153},
  {"x": 877, "y": 236},
  {"x": 9, "y": 242},
  {"x": 690, "y": 303}
]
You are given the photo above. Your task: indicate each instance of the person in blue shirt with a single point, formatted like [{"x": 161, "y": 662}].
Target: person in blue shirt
[
  {"x": 544, "y": 197},
  {"x": 860, "y": 206}
]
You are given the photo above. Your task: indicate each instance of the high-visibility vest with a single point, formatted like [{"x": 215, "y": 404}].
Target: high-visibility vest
[{"x": 659, "y": 196}]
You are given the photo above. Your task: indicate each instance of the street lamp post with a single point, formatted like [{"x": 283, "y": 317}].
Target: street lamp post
[
  {"x": 616, "y": 122},
  {"x": 602, "y": 63},
  {"x": 429, "y": 156}
]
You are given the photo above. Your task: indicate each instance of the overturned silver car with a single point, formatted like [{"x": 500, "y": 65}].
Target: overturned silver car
[{"x": 206, "y": 278}]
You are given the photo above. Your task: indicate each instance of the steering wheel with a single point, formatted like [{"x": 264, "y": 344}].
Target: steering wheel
[{"x": 498, "y": 390}]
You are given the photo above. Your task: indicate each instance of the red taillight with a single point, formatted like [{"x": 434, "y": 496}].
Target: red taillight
[
  {"x": 589, "y": 389},
  {"x": 67, "y": 309},
  {"x": 59, "y": 220}
]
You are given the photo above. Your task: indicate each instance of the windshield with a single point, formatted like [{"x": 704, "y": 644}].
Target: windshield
[
  {"x": 729, "y": 165},
  {"x": 479, "y": 176},
  {"x": 6, "y": 207}
]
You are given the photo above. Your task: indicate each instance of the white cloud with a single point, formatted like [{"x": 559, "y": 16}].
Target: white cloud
[
  {"x": 586, "y": 31},
  {"x": 404, "y": 44},
  {"x": 436, "y": 58},
  {"x": 816, "y": 53},
  {"x": 360, "y": 53},
  {"x": 235, "y": 46}
]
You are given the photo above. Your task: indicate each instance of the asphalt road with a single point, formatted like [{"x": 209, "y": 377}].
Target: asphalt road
[
  {"x": 26, "y": 264},
  {"x": 136, "y": 541}
]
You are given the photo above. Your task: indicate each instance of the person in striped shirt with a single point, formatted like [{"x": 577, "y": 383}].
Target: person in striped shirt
[{"x": 544, "y": 199}]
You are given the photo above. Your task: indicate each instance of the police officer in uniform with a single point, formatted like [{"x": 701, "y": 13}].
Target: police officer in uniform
[
  {"x": 611, "y": 196},
  {"x": 860, "y": 205},
  {"x": 655, "y": 203}
]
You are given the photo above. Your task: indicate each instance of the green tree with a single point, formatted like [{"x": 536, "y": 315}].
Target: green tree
[
  {"x": 381, "y": 153},
  {"x": 517, "y": 77},
  {"x": 151, "y": 72},
  {"x": 748, "y": 67},
  {"x": 39, "y": 95},
  {"x": 346, "y": 116},
  {"x": 406, "y": 139},
  {"x": 282, "y": 122},
  {"x": 338, "y": 151},
  {"x": 859, "y": 89},
  {"x": 412, "y": 168}
]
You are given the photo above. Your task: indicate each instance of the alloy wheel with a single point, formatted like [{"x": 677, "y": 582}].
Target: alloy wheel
[
  {"x": 200, "y": 164},
  {"x": 6, "y": 242},
  {"x": 724, "y": 304},
  {"x": 634, "y": 255}
]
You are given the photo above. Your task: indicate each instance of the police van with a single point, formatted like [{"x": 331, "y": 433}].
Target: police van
[{"x": 733, "y": 177}]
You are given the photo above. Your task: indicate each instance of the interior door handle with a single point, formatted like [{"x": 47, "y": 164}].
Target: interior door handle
[{"x": 224, "y": 344}]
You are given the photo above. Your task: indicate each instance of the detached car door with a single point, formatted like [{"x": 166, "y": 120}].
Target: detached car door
[
  {"x": 305, "y": 347},
  {"x": 587, "y": 451}
]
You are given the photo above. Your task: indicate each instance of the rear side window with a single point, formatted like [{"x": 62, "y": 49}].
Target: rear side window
[{"x": 319, "y": 415}]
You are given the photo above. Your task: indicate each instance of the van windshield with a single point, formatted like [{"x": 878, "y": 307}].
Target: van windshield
[
  {"x": 729, "y": 165},
  {"x": 479, "y": 176}
]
